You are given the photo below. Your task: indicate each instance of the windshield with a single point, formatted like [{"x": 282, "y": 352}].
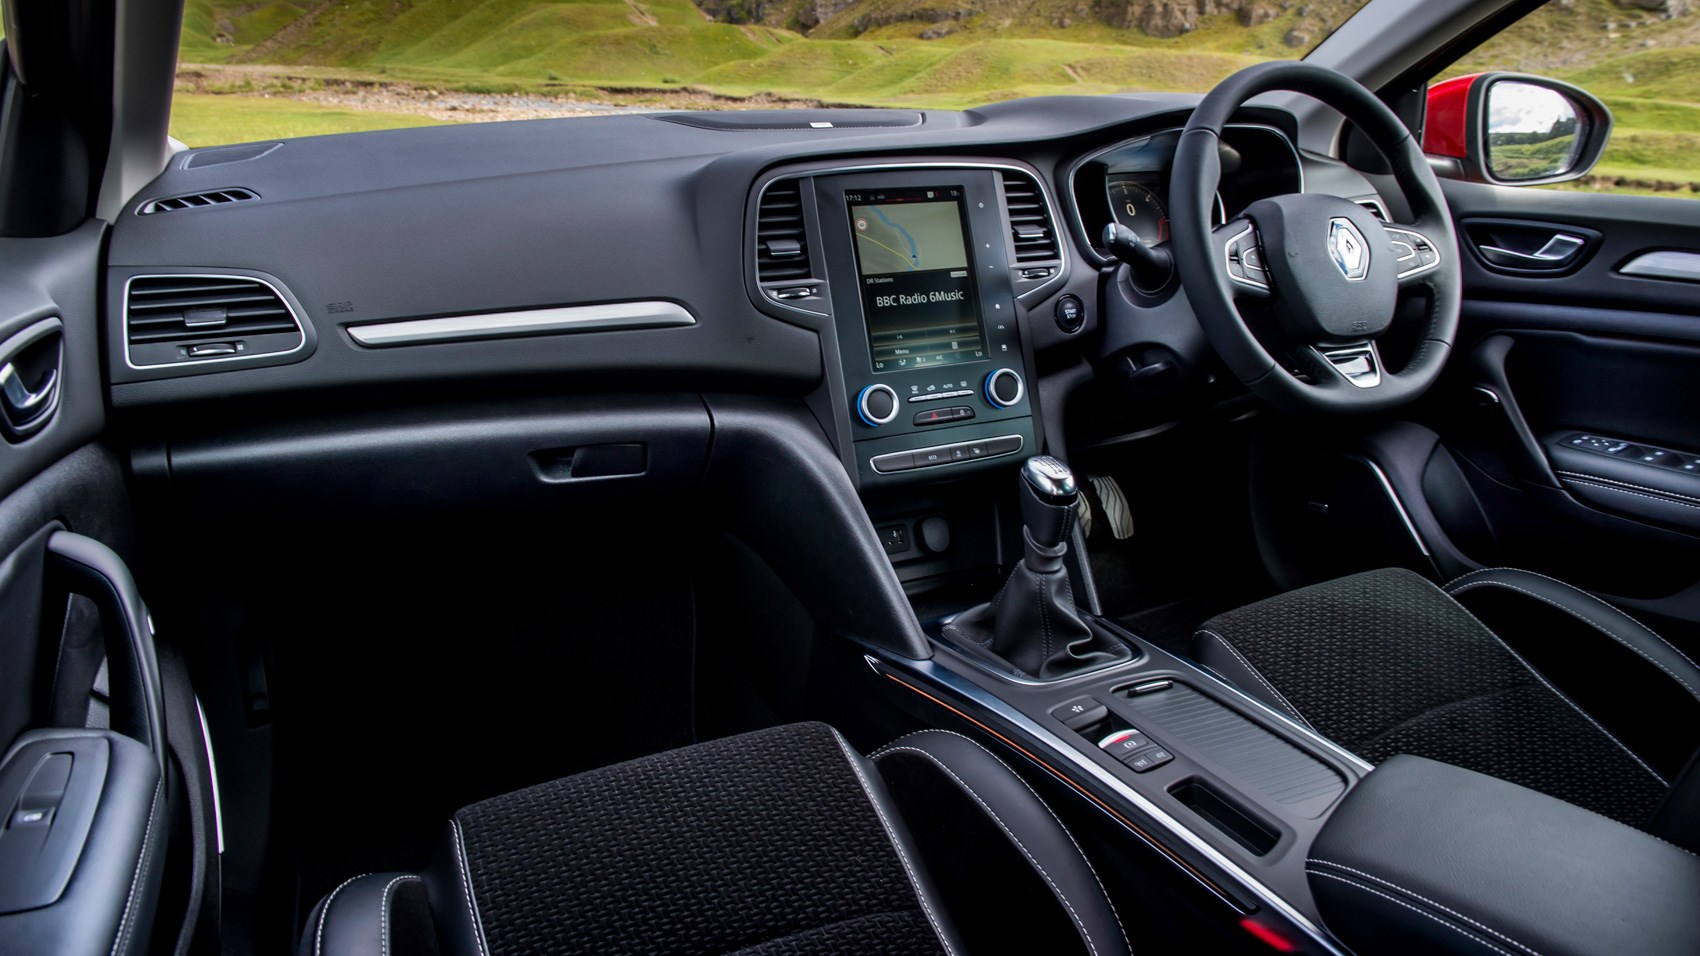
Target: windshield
[{"x": 263, "y": 70}]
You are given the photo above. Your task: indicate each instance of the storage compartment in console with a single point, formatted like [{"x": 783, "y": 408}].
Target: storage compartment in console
[{"x": 1226, "y": 815}]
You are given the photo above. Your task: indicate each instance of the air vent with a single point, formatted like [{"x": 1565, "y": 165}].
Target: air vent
[
  {"x": 216, "y": 197},
  {"x": 1034, "y": 237},
  {"x": 1374, "y": 206},
  {"x": 189, "y": 318},
  {"x": 782, "y": 244}
]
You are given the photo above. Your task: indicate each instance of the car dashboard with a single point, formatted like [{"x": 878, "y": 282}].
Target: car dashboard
[{"x": 672, "y": 251}]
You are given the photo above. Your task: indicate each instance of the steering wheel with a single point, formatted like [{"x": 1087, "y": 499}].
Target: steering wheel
[{"x": 1329, "y": 270}]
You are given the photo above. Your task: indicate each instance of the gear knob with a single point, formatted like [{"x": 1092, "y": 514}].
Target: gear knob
[{"x": 1048, "y": 497}]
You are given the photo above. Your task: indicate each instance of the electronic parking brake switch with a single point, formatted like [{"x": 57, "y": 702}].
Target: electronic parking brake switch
[{"x": 1135, "y": 750}]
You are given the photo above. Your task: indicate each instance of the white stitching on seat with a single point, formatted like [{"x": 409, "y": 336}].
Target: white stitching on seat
[
  {"x": 1560, "y": 694},
  {"x": 1624, "y": 491},
  {"x": 1055, "y": 890},
  {"x": 1354, "y": 884},
  {"x": 466, "y": 886},
  {"x": 854, "y": 761},
  {"x": 1040, "y": 800},
  {"x": 1418, "y": 896},
  {"x": 324, "y": 914},
  {"x": 384, "y": 913},
  {"x": 125, "y": 923},
  {"x": 1589, "y": 621},
  {"x": 1260, "y": 678},
  {"x": 1597, "y": 479},
  {"x": 1571, "y": 587}
]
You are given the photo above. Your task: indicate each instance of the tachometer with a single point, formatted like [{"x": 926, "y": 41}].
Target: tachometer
[{"x": 1137, "y": 206}]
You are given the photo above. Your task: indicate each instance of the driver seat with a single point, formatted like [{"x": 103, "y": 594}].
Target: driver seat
[{"x": 1504, "y": 672}]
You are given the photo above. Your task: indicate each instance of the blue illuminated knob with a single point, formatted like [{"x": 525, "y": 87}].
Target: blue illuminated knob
[
  {"x": 876, "y": 405},
  {"x": 1004, "y": 388}
]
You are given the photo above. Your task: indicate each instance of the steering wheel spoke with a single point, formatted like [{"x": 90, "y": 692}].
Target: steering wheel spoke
[
  {"x": 1242, "y": 258},
  {"x": 1359, "y": 363},
  {"x": 1415, "y": 254}
]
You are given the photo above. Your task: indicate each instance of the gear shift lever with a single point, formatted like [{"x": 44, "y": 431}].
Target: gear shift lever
[
  {"x": 1032, "y": 627},
  {"x": 1048, "y": 499}
]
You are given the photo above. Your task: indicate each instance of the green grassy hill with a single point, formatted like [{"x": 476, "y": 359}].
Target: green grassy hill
[
  {"x": 871, "y": 51},
  {"x": 943, "y": 53}
]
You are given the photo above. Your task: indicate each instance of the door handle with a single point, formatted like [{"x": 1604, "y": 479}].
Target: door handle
[
  {"x": 1556, "y": 253},
  {"x": 37, "y": 352}
]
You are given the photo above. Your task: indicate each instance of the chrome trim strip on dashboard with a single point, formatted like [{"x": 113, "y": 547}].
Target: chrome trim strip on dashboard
[
  {"x": 1074, "y": 201},
  {"x": 1682, "y": 266},
  {"x": 942, "y": 676},
  {"x": 1052, "y": 209},
  {"x": 493, "y": 325},
  {"x": 300, "y": 327}
]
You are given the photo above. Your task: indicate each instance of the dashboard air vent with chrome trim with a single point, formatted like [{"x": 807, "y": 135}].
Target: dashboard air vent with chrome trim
[
  {"x": 212, "y": 197},
  {"x": 1032, "y": 234},
  {"x": 782, "y": 244},
  {"x": 171, "y": 319}
]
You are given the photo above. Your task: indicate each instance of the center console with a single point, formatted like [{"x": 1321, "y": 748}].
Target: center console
[{"x": 919, "y": 271}]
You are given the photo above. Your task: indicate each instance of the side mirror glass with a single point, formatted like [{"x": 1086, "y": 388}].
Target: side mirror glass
[
  {"x": 1532, "y": 132},
  {"x": 1513, "y": 129}
]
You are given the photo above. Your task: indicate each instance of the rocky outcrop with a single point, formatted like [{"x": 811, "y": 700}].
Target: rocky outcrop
[
  {"x": 813, "y": 13},
  {"x": 1670, "y": 8},
  {"x": 1171, "y": 18}
]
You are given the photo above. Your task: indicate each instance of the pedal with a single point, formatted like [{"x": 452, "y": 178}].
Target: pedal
[{"x": 1117, "y": 515}]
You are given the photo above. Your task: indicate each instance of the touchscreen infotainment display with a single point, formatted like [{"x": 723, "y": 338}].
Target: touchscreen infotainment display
[{"x": 917, "y": 279}]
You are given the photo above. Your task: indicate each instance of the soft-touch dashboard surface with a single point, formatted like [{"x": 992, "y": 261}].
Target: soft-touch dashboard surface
[{"x": 644, "y": 252}]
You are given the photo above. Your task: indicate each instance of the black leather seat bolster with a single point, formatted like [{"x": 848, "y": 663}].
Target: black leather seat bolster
[
  {"x": 1423, "y": 857},
  {"x": 372, "y": 915},
  {"x": 1586, "y": 609},
  {"x": 1025, "y": 820}
]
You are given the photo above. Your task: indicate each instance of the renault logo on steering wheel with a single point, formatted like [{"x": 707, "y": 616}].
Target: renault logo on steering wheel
[{"x": 1351, "y": 253}]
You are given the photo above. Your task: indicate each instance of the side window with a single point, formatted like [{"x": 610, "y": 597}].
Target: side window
[{"x": 1642, "y": 57}]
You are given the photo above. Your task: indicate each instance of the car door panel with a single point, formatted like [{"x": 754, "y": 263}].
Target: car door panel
[{"x": 1553, "y": 354}]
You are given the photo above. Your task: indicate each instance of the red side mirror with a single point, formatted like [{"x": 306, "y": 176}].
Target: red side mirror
[{"x": 1513, "y": 129}]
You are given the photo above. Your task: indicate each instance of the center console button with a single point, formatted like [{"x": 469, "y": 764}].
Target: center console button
[
  {"x": 897, "y": 461},
  {"x": 932, "y": 456},
  {"x": 1080, "y": 712},
  {"x": 1004, "y": 445},
  {"x": 935, "y": 416},
  {"x": 1124, "y": 743}
]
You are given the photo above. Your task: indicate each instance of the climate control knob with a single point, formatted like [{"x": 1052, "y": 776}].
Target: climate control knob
[
  {"x": 1004, "y": 388},
  {"x": 876, "y": 405}
]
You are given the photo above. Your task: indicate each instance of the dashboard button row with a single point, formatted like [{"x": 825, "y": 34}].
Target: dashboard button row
[
  {"x": 959, "y": 393},
  {"x": 946, "y": 454}
]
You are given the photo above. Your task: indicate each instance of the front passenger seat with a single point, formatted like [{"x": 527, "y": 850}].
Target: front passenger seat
[
  {"x": 1504, "y": 672},
  {"x": 778, "y": 841}
]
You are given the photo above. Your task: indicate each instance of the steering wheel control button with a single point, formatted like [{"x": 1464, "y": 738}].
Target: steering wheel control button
[
  {"x": 1070, "y": 313},
  {"x": 876, "y": 405},
  {"x": 1412, "y": 251},
  {"x": 1080, "y": 712},
  {"x": 1004, "y": 388},
  {"x": 1245, "y": 259}
]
